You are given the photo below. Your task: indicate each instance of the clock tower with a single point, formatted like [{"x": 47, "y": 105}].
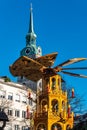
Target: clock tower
[{"x": 31, "y": 50}]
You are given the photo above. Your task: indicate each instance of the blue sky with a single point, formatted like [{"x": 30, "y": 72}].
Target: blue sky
[{"x": 60, "y": 26}]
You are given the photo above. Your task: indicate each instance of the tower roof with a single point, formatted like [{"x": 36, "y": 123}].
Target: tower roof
[
  {"x": 31, "y": 36},
  {"x": 31, "y": 50},
  {"x": 31, "y": 29}
]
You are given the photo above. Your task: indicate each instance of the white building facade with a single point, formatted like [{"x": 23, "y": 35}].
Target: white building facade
[{"x": 18, "y": 103}]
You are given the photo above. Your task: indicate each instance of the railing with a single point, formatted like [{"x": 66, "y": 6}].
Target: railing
[
  {"x": 45, "y": 92},
  {"x": 59, "y": 115},
  {"x": 41, "y": 115}
]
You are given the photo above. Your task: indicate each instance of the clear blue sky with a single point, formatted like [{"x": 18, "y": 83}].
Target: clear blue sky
[{"x": 60, "y": 26}]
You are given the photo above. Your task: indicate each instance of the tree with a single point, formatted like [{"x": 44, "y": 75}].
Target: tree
[{"x": 75, "y": 100}]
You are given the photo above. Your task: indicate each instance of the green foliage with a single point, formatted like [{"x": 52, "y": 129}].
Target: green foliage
[{"x": 7, "y": 79}]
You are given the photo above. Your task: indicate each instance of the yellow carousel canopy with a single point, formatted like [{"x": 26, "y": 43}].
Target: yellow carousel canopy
[{"x": 32, "y": 68}]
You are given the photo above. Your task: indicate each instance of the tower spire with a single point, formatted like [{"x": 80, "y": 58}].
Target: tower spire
[
  {"x": 31, "y": 29},
  {"x": 31, "y": 50},
  {"x": 31, "y": 36}
]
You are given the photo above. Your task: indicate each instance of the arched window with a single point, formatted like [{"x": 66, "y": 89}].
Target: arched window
[
  {"x": 63, "y": 105},
  {"x": 41, "y": 127},
  {"x": 55, "y": 105},
  {"x": 47, "y": 85},
  {"x": 56, "y": 127},
  {"x": 59, "y": 83},
  {"x": 53, "y": 83},
  {"x": 47, "y": 81},
  {"x": 68, "y": 127},
  {"x": 44, "y": 106}
]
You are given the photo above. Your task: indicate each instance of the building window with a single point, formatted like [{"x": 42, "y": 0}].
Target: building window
[
  {"x": 56, "y": 127},
  {"x": 42, "y": 127},
  {"x": 23, "y": 114},
  {"x": 30, "y": 102},
  {"x": 2, "y": 94},
  {"x": 40, "y": 84},
  {"x": 53, "y": 83},
  {"x": 55, "y": 105},
  {"x": 10, "y": 112},
  {"x": 24, "y": 100},
  {"x": 1, "y": 109},
  {"x": 10, "y": 96},
  {"x": 59, "y": 83},
  {"x": 25, "y": 128},
  {"x": 17, "y": 113},
  {"x": 16, "y": 127},
  {"x": 17, "y": 98}
]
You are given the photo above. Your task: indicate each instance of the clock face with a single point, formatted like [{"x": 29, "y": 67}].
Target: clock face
[
  {"x": 39, "y": 50},
  {"x": 27, "y": 51}
]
